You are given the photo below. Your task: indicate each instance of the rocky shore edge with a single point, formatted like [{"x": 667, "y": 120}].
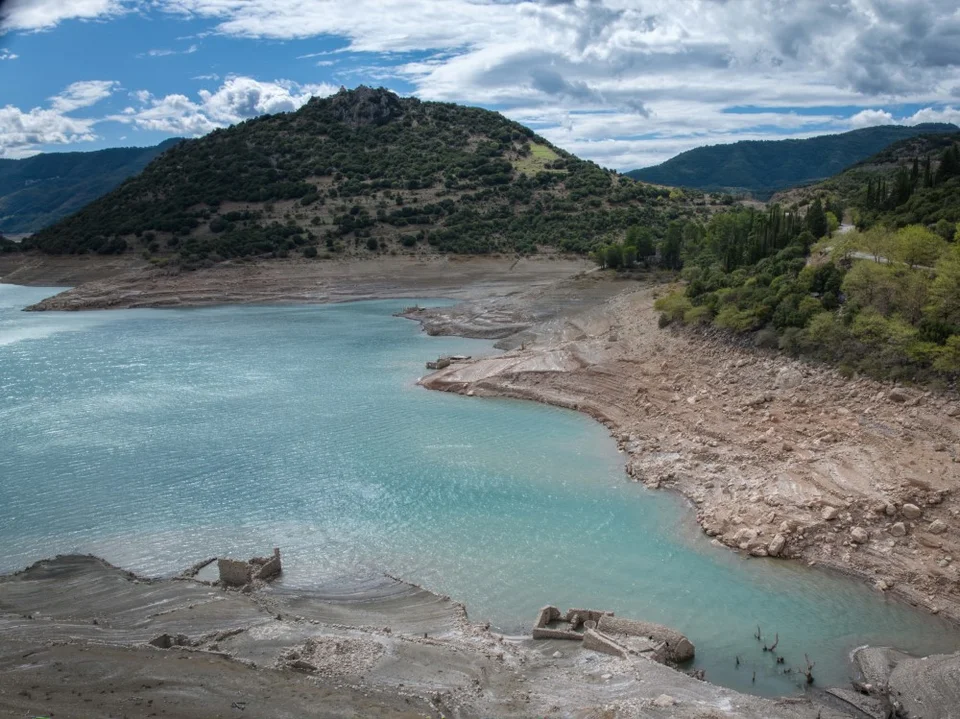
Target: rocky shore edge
[{"x": 777, "y": 458}]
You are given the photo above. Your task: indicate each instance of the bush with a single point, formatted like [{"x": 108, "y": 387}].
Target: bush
[
  {"x": 310, "y": 251},
  {"x": 372, "y": 244},
  {"x": 672, "y": 307}
]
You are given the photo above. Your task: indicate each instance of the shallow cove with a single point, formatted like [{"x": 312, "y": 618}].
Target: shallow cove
[{"x": 158, "y": 437}]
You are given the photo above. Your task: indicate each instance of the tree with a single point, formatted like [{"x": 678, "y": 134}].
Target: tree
[
  {"x": 878, "y": 241},
  {"x": 817, "y": 219},
  {"x": 945, "y": 291},
  {"x": 614, "y": 256},
  {"x": 671, "y": 247},
  {"x": 833, "y": 224},
  {"x": 945, "y": 229},
  {"x": 642, "y": 239},
  {"x": 915, "y": 245},
  {"x": 949, "y": 164}
]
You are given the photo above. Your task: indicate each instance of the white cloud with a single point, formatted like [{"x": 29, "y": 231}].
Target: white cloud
[
  {"x": 46, "y": 14},
  {"x": 164, "y": 52},
  {"x": 211, "y": 76},
  {"x": 929, "y": 114},
  {"x": 870, "y": 118},
  {"x": 6, "y": 54},
  {"x": 238, "y": 98},
  {"x": 82, "y": 94},
  {"x": 23, "y": 131},
  {"x": 672, "y": 66}
]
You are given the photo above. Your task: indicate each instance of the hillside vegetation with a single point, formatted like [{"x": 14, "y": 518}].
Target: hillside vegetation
[
  {"x": 37, "y": 191},
  {"x": 365, "y": 171},
  {"x": 883, "y": 299},
  {"x": 761, "y": 167}
]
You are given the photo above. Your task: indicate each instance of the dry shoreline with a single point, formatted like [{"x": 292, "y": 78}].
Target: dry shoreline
[
  {"x": 762, "y": 447},
  {"x": 776, "y": 457}
]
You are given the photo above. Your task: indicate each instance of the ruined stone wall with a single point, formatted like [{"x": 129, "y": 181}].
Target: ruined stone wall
[{"x": 233, "y": 572}]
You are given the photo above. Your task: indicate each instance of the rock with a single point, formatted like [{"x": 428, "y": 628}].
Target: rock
[
  {"x": 937, "y": 527},
  {"x": 788, "y": 378},
  {"x": 928, "y": 541},
  {"x": 829, "y": 513},
  {"x": 557, "y": 655},
  {"x": 776, "y": 545},
  {"x": 911, "y": 511},
  {"x": 897, "y": 395},
  {"x": 745, "y": 534},
  {"x": 953, "y": 410},
  {"x": 606, "y": 677},
  {"x": 664, "y": 700},
  {"x": 859, "y": 535},
  {"x": 898, "y": 530}
]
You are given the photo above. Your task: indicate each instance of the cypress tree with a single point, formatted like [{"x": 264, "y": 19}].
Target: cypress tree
[
  {"x": 817, "y": 219},
  {"x": 927, "y": 172}
]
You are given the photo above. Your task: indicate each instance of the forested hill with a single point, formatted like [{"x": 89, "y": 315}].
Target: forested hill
[
  {"x": 365, "y": 171},
  {"x": 37, "y": 191},
  {"x": 887, "y": 188},
  {"x": 882, "y": 299},
  {"x": 763, "y": 167}
]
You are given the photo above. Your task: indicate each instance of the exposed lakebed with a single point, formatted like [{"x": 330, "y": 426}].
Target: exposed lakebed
[{"x": 155, "y": 438}]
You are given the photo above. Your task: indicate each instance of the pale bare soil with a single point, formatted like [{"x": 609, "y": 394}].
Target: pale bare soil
[
  {"x": 124, "y": 283},
  {"x": 778, "y": 457}
]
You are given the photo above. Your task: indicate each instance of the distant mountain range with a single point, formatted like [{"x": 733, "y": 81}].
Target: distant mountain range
[
  {"x": 37, "y": 191},
  {"x": 762, "y": 167}
]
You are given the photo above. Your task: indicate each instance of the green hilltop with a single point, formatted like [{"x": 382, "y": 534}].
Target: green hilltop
[
  {"x": 365, "y": 171},
  {"x": 37, "y": 191},
  {"x": 762, "y": 167}
]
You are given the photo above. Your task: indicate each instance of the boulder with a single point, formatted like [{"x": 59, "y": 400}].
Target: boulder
[
  {"x": 788, "y": 378},
  {"x": 664, "y": 700},
  {"x": 897, "y": 395},
  {"x": 776, "y": 545},
  {"x": 829, "y": 513},
  {"x": 899, "y": 529},
  {"x": 859, "y": 535},
  {"x": 937, "y": 527},
  {"x": 911, "y": 511}
]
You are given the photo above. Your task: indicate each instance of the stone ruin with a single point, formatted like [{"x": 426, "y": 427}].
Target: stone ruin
[
  {"x": 236, "y": 573},
  {"x": 601, "y": 631}
]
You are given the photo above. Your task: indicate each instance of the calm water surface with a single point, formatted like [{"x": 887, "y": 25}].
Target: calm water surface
[{"x": 155, "y": 438}]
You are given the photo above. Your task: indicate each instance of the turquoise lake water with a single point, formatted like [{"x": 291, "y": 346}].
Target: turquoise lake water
[{"x": 155, "y": 438}]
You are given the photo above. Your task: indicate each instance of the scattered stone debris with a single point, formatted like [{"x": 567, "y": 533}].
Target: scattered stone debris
[
  {"x": 236, "y": 573},
  {"x": 601, "y": 631}
]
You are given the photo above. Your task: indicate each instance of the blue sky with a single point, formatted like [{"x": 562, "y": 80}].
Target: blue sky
[{"x": 627, "y": 83}]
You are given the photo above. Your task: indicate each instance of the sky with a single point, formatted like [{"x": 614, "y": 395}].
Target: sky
[{"x": 626, "y": 83}]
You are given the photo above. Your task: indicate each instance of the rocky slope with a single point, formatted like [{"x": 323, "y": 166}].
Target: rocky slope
[{"x": 779, "y": 458}]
